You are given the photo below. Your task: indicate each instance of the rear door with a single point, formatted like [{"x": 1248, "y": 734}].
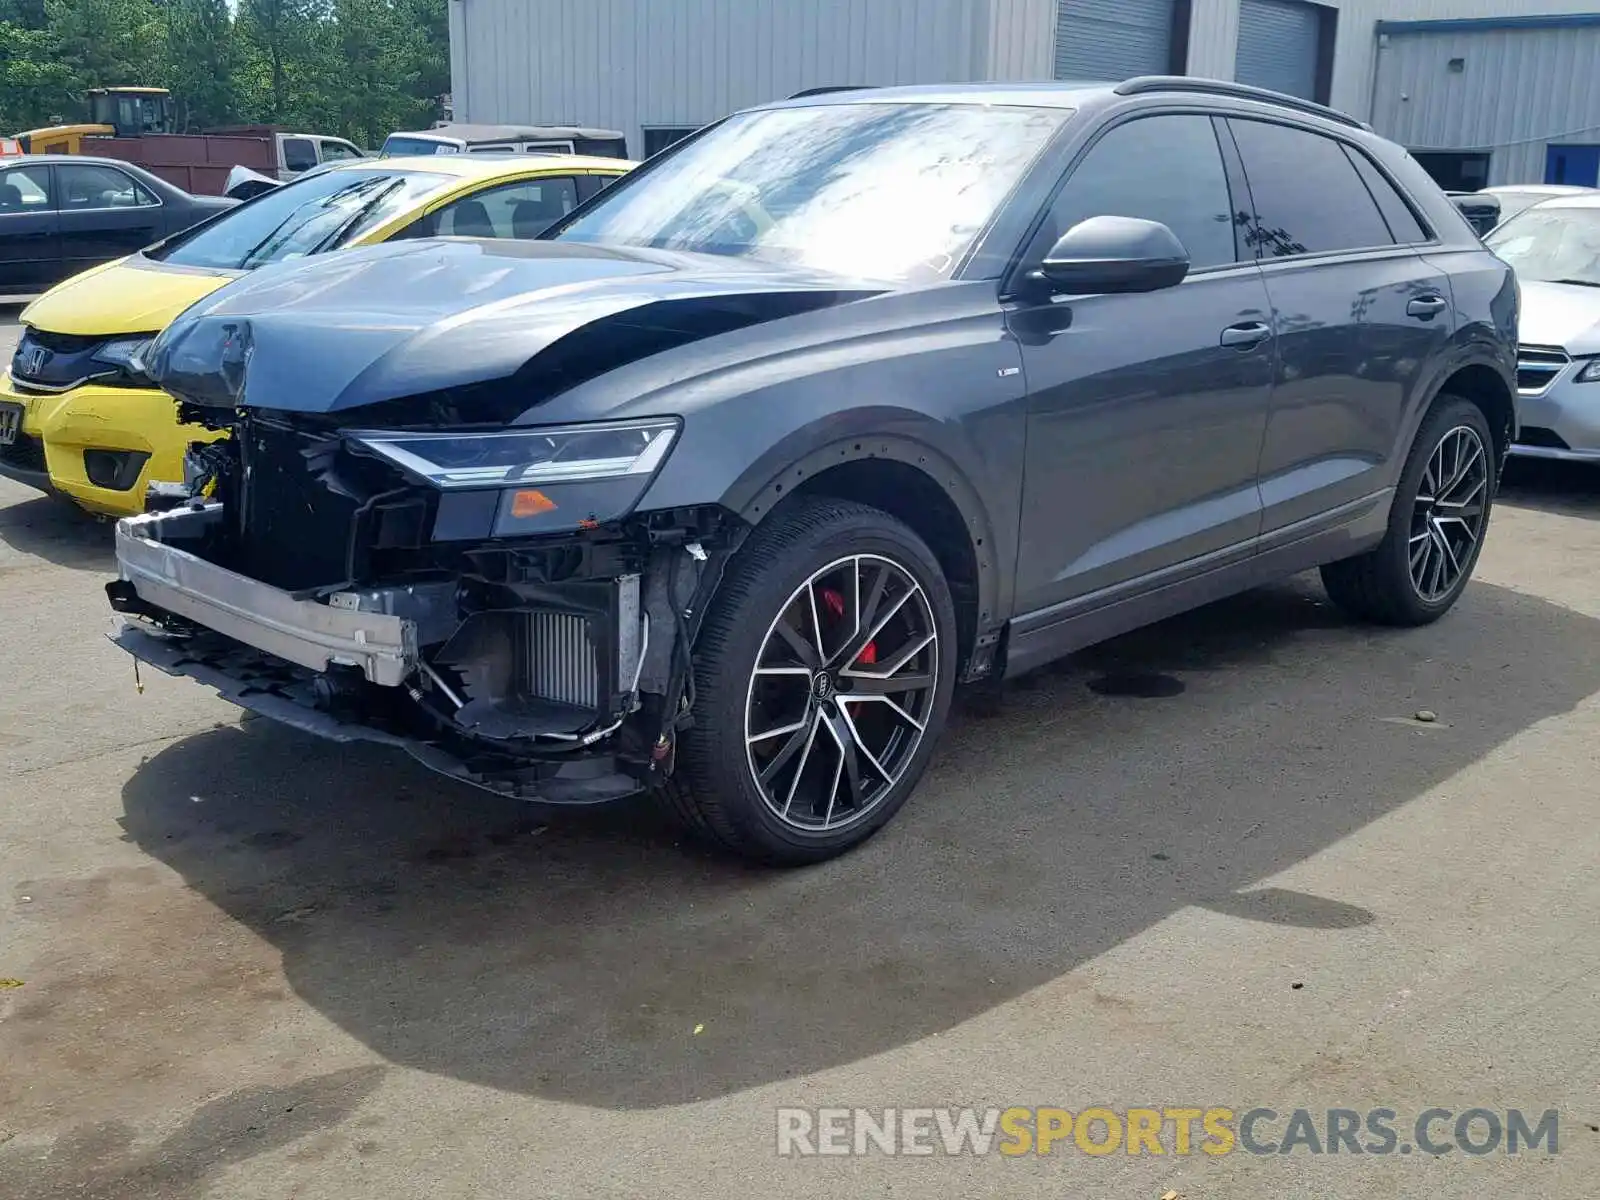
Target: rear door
[
  {"x": 30, "y": 230},
  {"x": 1359, "y": 315},
  {"x": 105, "y": 214}
]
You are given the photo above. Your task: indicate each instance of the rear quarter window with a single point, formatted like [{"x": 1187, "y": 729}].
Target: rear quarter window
[{"x": 1397, "y": 213}]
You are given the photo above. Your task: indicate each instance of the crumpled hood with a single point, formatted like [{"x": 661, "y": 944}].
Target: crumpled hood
[
  {"x": 1560, "y": 314},
  {"x": 130, "y": 295},
  {"x": 415, "y": 317}
]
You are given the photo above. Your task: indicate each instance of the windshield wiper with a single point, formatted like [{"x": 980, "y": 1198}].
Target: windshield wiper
[
  {"x": 1579, "y": 282},
  {"x": 267, "y": 247},
  {"x": 344, "y": 227}
]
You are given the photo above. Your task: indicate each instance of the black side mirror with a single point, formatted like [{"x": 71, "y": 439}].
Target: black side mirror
[
  {"x": 1114, "y": 254},
  {"x": 1481, "y": 211}
]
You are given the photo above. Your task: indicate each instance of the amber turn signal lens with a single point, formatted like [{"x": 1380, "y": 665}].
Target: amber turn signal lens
[{"x": 530, "y": 502}]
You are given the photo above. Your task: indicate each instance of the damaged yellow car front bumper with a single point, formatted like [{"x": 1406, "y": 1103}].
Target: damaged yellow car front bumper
[{"x": 98, "y": 446}]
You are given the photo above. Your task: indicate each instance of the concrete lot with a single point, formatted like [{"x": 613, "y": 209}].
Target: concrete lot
[{"x": 254, "y": 965}]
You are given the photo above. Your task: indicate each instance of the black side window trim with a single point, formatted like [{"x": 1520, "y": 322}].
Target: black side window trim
[
  {"x": 1349, "y": 147},
  {"x": 1243, "y": 201},
  {"x": 1025, "y": 254},
  {"x": 1430, "y": 236}
]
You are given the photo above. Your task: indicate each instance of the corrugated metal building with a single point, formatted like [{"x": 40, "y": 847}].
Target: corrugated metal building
[
  {"x": 1494, "y": 101},
  {"x": 657, "y": 69}
]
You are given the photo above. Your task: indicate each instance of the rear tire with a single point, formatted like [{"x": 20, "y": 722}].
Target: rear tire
[
  {"x": 1436, "y": 528},
  {"x": 823, "y": 677}
]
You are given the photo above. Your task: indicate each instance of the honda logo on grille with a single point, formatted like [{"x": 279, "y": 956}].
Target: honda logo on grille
[{"x": 31, "y": 360}]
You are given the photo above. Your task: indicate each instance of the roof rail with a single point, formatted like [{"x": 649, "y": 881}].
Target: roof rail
[
  {"x": 823, "y": 91},
  {"x": 1240, "y": 91}
]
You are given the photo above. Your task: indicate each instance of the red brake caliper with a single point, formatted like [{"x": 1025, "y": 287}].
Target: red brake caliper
[{"x": 833, "y": 601}]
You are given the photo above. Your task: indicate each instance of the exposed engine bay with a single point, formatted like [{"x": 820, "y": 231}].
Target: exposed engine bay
[{"x": 533, "y": 641}]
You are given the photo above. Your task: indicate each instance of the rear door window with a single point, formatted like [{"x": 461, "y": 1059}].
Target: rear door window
[
  {"x": 1164, "y": 168},
  {"x": 1308, "y": 196},
  {"x": 88, "y": 186}
]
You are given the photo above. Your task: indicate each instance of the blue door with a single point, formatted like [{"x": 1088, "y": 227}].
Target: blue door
[{"x": 1578, "y": 165}]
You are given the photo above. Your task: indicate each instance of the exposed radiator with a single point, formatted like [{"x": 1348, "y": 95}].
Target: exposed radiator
[{"x": 559, "y": 661}]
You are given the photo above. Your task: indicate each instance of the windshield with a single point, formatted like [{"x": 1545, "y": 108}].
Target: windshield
[
  {"x": 315, "y": 213},
  {"x": 882, "y": 191},
  {"x": 399, "y": 146},
  {"x": 1555, "y": 245}
]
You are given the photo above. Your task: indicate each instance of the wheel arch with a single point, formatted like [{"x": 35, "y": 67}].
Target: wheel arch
[
  {"x": 915, "y": 483},
  {"x": 1476, "y": 374},
  {"x": 1486, "y": 388}
]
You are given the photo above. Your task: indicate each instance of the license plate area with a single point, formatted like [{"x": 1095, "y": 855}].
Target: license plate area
[{"x": 10, "y": 423}]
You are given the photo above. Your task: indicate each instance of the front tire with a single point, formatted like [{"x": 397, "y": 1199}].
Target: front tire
[
  {"x": 823, "y": 677},
  {"x": 1436, "y": 525}
]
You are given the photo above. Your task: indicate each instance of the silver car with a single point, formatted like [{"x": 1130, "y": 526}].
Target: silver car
[
  {"x": 1554, "y": 247},
  {"x": 1514, "y": 197}
]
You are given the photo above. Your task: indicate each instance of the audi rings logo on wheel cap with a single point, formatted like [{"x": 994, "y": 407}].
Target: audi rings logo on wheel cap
[{"x": 822, "y": 687}]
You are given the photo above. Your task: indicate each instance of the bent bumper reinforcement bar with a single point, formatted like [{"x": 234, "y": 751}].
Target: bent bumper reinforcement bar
[{"x": 303, "y": 632}]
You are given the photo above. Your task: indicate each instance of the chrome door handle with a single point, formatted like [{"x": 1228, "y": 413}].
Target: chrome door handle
[
  {"x": 1426, "y": 306},
  {"x": 1251, "y": 333}
]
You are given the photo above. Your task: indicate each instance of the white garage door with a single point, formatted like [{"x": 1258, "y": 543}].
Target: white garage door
[
  {"x": 1113, "y": 39},
  {"x": 1278, "y": 46}
]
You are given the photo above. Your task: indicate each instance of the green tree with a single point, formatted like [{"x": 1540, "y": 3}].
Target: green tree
[
  {"x": 203, "y": 56},
  {"x": 362, "y": 68}
]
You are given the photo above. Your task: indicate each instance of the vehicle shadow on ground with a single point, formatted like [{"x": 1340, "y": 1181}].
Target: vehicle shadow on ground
[
  {"x": 573, "y": 955},
  {"x": 1571, "y": 489},
  {"x": 50, "y": 528}
]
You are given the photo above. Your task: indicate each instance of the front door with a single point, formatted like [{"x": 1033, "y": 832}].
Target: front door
[
  {"x": 1145, "y": 411},
  {"x": 30, "y": 231},
  {"x": 105, "y": 214},
  {"x": 1359, "y": 313}
]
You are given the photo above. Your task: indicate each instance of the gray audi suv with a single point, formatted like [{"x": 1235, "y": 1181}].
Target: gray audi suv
[{"x": 721, "y": 487}]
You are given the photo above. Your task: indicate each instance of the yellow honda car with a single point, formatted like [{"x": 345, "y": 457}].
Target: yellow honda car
[{"x": 77, "y": 415}]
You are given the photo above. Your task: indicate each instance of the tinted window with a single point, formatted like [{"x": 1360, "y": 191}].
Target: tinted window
[
  {"x": 25, "y": 190},
  {"x": 1308, "y": 197},
  {"x": 90, "y": 186},
  {"x": 316, "y": 213},
  {"x": 1165, "y": 169},
  {"x": 299, "y": 154},
  {"x": 515, "y": 210},
  {"x": 1402, "y": 222},
  {"x": 892, "y": 191}
]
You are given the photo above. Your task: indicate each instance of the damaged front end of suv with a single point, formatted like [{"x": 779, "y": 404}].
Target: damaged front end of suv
[{"x": 429, "y": 570}]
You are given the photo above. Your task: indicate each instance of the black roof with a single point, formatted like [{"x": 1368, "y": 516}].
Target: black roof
[{"x": 1069, "y": 93}]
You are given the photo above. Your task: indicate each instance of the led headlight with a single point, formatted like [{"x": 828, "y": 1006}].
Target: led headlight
[
  {"x": 528, "y": 457},
  {"x": 1590, "y": 372},
  {"x": 125, "y": 354}
]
